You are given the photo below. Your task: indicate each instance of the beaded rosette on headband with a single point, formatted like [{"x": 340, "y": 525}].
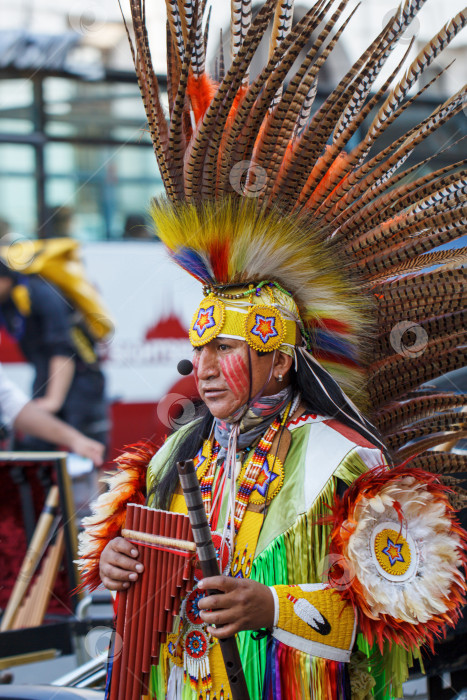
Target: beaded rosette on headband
[{"x": 265, "y": 324}]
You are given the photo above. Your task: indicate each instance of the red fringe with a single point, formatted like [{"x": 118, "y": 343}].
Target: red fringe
[
  {"x": 134, "y": 463},
  {"x": 386, "y": 628}
]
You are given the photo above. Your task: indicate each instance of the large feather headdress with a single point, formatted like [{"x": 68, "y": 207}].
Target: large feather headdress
[{"x": 261, "y": 183}]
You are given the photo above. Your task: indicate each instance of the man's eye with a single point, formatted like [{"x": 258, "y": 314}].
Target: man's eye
[{"x": 224, "y": 346}]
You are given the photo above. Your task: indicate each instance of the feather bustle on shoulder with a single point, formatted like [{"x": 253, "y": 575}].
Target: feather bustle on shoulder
[{"x": 126, "y": 485}]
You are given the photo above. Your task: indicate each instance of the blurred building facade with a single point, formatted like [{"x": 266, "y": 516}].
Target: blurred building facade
[{"x": 72, "y": 126}]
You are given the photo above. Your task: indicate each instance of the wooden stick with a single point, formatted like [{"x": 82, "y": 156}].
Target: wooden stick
[
  {"x": 34, "y": 606},
  {"x": 31, "y": 559},
  {"x": 50, "y": 572},
  {"x": 158, "y": 540}
]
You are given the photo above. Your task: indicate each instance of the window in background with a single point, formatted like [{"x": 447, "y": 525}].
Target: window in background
[
  {"x": 17, "y": 190},
  {"x": 80, "y": 147},
  {"x": 16, "y": 104}
]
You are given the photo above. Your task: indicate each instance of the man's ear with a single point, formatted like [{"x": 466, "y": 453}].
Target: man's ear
[{"x": 283, "y": 362}]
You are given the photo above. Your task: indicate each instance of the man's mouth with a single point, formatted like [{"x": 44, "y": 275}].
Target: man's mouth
[{"x": 213, "y": 392}]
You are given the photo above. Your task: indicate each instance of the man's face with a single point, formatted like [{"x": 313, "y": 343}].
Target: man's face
[{"x": 223, "y": 376}]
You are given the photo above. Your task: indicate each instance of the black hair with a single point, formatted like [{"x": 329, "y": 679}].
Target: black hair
[
  {"x": 166, "y": 481},
  {"x": 336, "y": 405},
  {"x": 315, "y": 400}
]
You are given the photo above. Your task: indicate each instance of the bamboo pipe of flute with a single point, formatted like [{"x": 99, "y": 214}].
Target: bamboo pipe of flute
[{"x": 31, "y": 558}]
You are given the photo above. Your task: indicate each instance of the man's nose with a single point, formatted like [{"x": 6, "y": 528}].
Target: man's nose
[{"x": 208, "y": 365}]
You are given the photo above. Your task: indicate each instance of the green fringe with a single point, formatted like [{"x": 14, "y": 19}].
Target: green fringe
[
  {"x": 158, "y": 680},
  {"x": 291, "y": 559},
  {"x": 271, "y": 569},
  {"x": 389, "y": 669}
]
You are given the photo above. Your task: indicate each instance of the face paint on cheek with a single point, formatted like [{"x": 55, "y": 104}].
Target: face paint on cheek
[{"x": 235, "y": 373}]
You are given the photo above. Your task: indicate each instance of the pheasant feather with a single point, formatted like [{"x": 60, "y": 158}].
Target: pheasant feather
[{"x": 265, "y": 182}]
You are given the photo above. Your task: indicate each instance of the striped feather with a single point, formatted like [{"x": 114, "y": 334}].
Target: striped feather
[
  {"x": 173, "y": 70},
  {"x": 374, "y": 206},
  {"x": 370, "y": 62},
  {"x": 240, "y": 22},
  {"x": 149, "y": 89},
  {"x": 359, "y": 153},
  {"x": 326, "y": 200},
  {"x": 381, "y": 186},
  {"x": 429, "y": 442},
  {"x": 282, "y": 23},
  {"x": 411, "y": 410},
  {"x": 280, "y": 28},
  {"x": 440, "y": 463},
  {"x": 364, "y": 176},
  {"x": 407, "y": 376},
  {"x": 177, "y": 144},
  {"x": 275, "y": 119},
  {"x": 198, "y": 54},
  {"x": 282, "y": 127},
  {"x": 216, "y": 116},
  {"x": 175, "y": 24},
  {"x": 290, "y": 48},
  {"x": 442, "y": 423},
  {"x": 238, "y": 148}
]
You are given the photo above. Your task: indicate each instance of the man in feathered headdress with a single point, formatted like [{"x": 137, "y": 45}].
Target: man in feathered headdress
[{"x": 287, "y": 269}]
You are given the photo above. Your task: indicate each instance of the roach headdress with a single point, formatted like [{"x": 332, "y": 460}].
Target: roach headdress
[
  {"x": 310, "y": 236},
  {"x": 267, "y": 193}
]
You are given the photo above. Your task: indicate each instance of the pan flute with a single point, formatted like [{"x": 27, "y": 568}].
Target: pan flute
[{"x": 146, "y": 610}]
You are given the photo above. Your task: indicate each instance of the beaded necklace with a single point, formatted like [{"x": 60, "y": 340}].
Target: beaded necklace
[
  {"x": 208, "y": 478},
  {"x": 250, "y": 473}
]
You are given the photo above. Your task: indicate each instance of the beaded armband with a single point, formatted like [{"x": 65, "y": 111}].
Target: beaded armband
[{"x": 314, "y": 619}]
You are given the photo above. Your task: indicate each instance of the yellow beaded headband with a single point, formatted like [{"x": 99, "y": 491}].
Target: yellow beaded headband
[{"x": 245, "y": 315}]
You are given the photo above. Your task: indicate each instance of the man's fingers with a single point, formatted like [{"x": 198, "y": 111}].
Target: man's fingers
[
  {"x": 112, "y": 585},
  {"x": 117, "y": 574},
  {"x": 121, "y": 561},
  {"x": 120, "y": 544},
  {"x": 219, "y": 617},
  {"x": 223, "y": 632},
  {"x": 220, "y": 583},
  {"x": 215, "y": 602}
]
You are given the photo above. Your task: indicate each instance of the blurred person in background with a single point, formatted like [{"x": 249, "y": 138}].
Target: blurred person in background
[
  {"x": 54, "y": 339},
  {"x": 59, "y": 223},
  {"x": 136, "y": 228},
  {"x": 6, "y": 234},
  {"x": 17, "y": 412}
]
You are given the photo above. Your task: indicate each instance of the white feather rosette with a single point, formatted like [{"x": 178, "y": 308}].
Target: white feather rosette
[{"x": 403, "y": 554}]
